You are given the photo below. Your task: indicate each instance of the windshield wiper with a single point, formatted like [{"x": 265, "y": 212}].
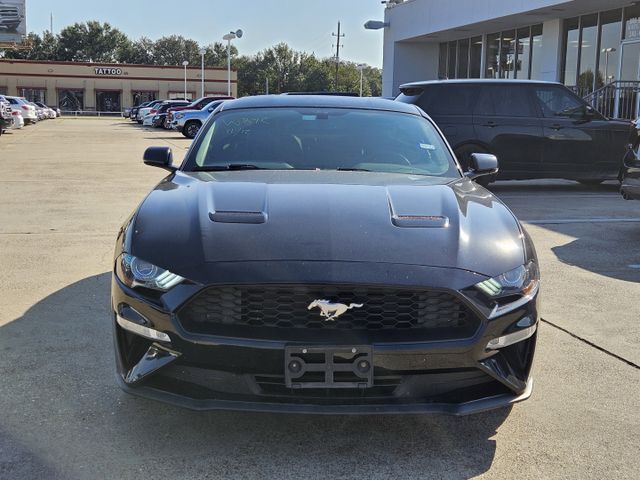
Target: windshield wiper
[
  {"x": 349, "y": 169},
  {"x": 230, "y": 166}
]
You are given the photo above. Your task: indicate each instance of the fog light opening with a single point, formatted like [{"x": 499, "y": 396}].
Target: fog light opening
[
  {"x": 511, "y": 338},
  {"x": 146, "y": 332}
]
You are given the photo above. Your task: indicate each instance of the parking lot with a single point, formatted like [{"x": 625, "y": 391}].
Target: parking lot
[{"x": 65, "y": 188}]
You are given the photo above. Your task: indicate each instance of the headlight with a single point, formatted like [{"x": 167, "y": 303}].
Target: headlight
[
  {"x": 522, "y": 280},
  {"x": 179, "y": 115},
  {"x": 135, "y": 272}
]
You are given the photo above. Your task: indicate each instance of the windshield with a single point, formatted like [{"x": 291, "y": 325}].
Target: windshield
[{"x": 325, "y": 139}]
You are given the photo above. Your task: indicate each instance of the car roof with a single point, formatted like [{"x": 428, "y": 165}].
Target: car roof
[
  {"x": 320, "y": 101},
  {"x": 486, "y": 81}
]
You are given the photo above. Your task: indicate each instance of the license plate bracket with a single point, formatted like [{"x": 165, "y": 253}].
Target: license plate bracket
[{"x": 328, "y": 367}]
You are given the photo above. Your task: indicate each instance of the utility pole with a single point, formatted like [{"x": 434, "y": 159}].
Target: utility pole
[
  {"x": 51, "y": 27},
  {"x": 339, "y": 37}
]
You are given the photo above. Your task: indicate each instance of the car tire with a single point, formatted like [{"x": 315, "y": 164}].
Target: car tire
[
  {"x": 463, "y": 154},
  {"x": 191, "y": 129}
]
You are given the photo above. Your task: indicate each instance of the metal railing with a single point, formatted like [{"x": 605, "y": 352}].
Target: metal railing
[
  {"x": 619, "y": 99},
  {"x": 90, "y": 113}
]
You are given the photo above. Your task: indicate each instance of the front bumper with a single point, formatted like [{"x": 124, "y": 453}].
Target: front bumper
[{"x": 206, "y": 372}]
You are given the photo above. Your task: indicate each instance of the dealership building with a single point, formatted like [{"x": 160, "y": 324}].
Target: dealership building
[
  {"x": 586, "y": 44},
  {"x": 105, "y": 87}
]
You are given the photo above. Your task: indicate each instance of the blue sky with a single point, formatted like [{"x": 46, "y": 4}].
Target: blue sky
[{"x": 304, "y": 24}]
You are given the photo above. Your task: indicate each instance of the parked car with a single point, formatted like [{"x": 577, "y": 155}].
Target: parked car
[
  {"x": 630, "y": 171},
  {"x": 50, "y": 111},
  {"x": 18, "y": 119},
  {"x": 10, "y": 17},
  {"x": 159, "y": 117},
  {"x": 6, "y": 121},
  {"x": 198, "y": 104},
  {"x": 28, "y": 111},
  {"x": 536, "y": 129},
  {"x": 134, "y": 110},
  {"x": 318, "y": 254},
  {"x": 189, "y": 122},
  {"x": 144, "y": 111}
]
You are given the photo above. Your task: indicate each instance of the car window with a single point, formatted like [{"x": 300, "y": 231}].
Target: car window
[
  {"x": 556, "y": 101},
  {"x": 449, "y": 99},
  {"x": 505, "y": 101},
  {"x": 328, "y": 138}
]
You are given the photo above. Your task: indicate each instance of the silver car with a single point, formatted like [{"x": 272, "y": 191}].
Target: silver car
[{"x": 188, "y": 122}]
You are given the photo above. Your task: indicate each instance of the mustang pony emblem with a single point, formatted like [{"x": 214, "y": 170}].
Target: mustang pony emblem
[{"x": 330, "y": 311}]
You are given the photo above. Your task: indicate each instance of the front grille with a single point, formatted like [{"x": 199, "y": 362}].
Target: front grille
[{"x": 271, "y": 308}]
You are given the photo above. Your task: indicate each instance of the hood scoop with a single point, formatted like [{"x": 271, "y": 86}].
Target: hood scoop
[
  {"x": 420, "y": 221},
  {"x": 238, "y": 217},
  {"x": 236, "y": 202},
  {"x": 416, "y": 207}
]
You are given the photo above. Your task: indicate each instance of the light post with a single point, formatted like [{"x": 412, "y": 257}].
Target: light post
[
  {"x": 228, "y": 37},
  {"x": 184, "y": 64},
  {"x": 606, "y": 52},
  {"x": 361, "y": 67},
  {"x": 203, "y": 51}
]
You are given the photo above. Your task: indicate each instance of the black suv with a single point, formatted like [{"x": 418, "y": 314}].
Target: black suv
[{"x": 536, "y": 129}]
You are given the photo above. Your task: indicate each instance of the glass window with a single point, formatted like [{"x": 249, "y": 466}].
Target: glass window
[
  {"x": 557, "y": 101},
  {"x": 180, "y": 96},
  {"x": 33, "y": 94},
  {"x": 632, "y": 22},
  {"x": 610, "y": 34},
  {"x": 442, "y": 61},
  {"x": 3, "y": 90},
  {"x": 463, "y": 58},
  {"x": 524, "y": 53},
  {"x": 536, "y": 52},
  {"x": 571, "y": 41},
  {"x": 491, "y": 61},
  {"x": 107, "y": 101},
  {"x": 508, "y": 54},
  {"x": 588, "y": 46},
  {"x": 308, "y": 138},
  {"x": 507, "y": 101},
  {"x": 476, "y": 57},
  {"x": 71, "y": 100},
  {"x": 451, "y": 71},
  {"x": 454, "y": 99},
  {"x": 142, "y": 97}
]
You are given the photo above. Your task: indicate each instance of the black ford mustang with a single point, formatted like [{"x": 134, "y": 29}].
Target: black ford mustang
[{"x": 326, "y": 255}]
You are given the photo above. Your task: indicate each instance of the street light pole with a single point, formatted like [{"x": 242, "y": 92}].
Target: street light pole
[
  {"x": 184, "y": 64},
  {"x": 606, "y": 52},
  {"x": 203, "y": 51},
  {"x": 361, "y": 67},
  {"x": 228, "y": 37}
]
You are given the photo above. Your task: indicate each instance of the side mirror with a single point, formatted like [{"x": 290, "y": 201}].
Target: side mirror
[
  {"x": 159, "y": 157},
  {"x": 482, "y": 164},
  {"x": 211, "y": 109}
]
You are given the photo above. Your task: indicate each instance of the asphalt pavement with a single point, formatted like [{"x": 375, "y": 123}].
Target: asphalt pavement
[{"x": 66, "y": 185}]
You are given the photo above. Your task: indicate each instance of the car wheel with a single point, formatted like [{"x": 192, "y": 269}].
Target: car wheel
[
  {"x": 191, "y": 129},
  {"x": 463, "y": 154}
]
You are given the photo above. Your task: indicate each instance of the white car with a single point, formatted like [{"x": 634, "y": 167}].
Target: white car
[
  {"x": 148, "y": 119},
  {"x": 28, "y": 111},
  {"x": 17, "y": 120},
  {"x": 143, "y": 112}
]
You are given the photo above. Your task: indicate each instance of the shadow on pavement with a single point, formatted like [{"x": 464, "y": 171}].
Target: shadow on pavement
[{"x": 63, "y": 408}]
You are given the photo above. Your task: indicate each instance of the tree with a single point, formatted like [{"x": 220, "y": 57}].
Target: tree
[{"x": 90, "y": 41}]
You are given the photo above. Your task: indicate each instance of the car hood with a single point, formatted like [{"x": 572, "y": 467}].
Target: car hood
[{"x": 253, "y": 216}]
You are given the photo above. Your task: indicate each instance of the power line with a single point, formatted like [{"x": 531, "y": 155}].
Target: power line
[{"x": 339, "y": 37}]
